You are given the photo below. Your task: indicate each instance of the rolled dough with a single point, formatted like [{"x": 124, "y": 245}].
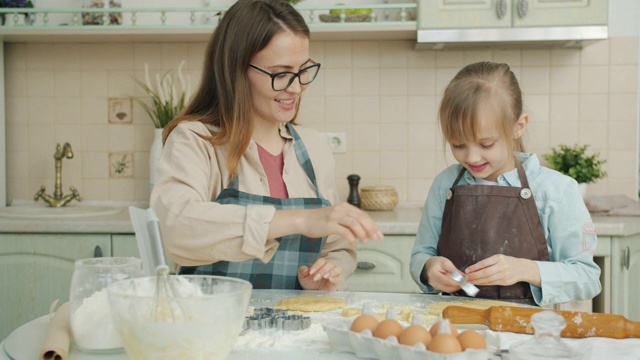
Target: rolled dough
[{"x": 310, "y": 303}]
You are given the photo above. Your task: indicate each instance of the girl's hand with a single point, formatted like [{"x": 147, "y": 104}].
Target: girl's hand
[
  {"x": 322, "y": 275},
  {"x": 437, "y": 270},
  {"x": 503, "y": 270}
]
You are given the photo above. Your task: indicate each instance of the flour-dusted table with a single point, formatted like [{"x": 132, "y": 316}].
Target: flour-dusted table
[{"x": 312, "y": 343}]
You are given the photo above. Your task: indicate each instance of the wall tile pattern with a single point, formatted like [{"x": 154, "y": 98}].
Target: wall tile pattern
[{"x": 382, "y": 94}]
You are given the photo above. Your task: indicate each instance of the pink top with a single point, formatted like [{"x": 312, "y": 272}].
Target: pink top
[{"x": 273, "y": 166}]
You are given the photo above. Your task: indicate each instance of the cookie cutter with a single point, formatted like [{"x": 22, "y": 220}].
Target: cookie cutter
[
  {"x": 468, "y": 287},
  {"x": 270, "y": 318}
]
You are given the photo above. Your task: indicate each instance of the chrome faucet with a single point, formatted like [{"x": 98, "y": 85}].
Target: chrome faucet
[{"x": 58, "y": 200}]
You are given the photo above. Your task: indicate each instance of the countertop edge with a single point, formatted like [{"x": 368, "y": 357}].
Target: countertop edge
[{"x": 402, "y": 221}]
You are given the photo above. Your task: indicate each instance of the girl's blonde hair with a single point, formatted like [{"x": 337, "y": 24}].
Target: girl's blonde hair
[
  {"x": 483, "y": 86},
  {"x": 223, "y": 98}
]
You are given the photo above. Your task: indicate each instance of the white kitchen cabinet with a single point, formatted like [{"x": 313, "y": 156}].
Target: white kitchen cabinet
[
  {"x": 461, "y": 14},
  {"x": 625, "y": 276},
  {"x": 619, "y": 259},
  {"x": 383, "y": 266},
  {"x": 467, "y": 14},
  {"x": 124, "y": 245},
  {"x": 36, "y": 270}
]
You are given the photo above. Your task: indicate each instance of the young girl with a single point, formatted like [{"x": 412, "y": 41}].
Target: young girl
[
  {"x": 515, "y": 229},
  {"x": 241, "y": 191}
]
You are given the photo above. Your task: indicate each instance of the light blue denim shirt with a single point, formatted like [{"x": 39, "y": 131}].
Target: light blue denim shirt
[{"x": 571, "y": 274}]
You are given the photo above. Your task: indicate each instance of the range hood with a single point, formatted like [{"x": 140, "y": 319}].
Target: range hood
[{"x": 559, "y": 36}]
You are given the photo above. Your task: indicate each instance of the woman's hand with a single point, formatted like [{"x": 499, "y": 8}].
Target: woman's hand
[
  {"x": 344, "y": 219},
  {"x": 322, "y": 275},
  {"x": 503, "y": 270},
  {"x": 437, "y": 270}
]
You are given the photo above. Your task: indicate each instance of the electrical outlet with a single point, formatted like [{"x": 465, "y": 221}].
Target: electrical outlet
[{"x": 337, "y": 141}]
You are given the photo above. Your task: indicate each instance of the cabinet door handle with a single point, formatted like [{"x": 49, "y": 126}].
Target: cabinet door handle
[
  {"x": 365, "y": 265},
  {"x": 523, "y": 8},
  {"x": 626, "y": 258},
  {"x": 97, "y": 252},
  {"x": 501, "y": 8}
]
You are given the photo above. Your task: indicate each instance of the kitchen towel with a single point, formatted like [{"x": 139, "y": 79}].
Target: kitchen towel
[
  {"x": 616, "y": 205},
  {"x": 56, "y": 344}
]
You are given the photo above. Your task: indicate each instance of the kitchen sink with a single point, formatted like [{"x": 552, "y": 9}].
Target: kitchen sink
[{"x": 61, "y": 213}]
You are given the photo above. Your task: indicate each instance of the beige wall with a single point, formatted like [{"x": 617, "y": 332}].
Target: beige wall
[{"x": 382, "y": 94}]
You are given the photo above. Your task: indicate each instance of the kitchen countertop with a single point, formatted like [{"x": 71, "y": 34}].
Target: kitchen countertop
[
  {"x": 403, "y": 220},
  {"x": 313, "y": 342}
]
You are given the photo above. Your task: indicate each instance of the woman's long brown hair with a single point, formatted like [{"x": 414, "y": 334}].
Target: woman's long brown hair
[{"x": 223, "y": 97}]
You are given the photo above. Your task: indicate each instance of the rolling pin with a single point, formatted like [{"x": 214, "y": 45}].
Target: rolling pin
[{"x": 517, "y": 319}]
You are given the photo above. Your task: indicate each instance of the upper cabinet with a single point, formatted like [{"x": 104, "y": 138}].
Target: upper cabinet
[{"x": 511, "y": 21}]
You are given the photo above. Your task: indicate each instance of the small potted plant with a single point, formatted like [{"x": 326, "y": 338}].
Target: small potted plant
[
  {"x": 167, "y": 101},
  {"x": 574, "y": 162}
]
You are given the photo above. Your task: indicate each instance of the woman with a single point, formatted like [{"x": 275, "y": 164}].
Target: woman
[{"x": 241, "y": 191}]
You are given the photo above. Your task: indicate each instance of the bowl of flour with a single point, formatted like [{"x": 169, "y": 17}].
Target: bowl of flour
[
  {"x": 201, "y": 318},
  {"x": 90, "y": 315}
]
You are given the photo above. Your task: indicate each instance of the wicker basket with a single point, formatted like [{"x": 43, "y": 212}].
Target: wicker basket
[{"x": 382, "y": 198}]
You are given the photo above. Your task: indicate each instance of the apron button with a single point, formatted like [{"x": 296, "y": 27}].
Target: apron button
[
  {"x": 449, "y": 194},
  {"x": 525, "y": 193}
]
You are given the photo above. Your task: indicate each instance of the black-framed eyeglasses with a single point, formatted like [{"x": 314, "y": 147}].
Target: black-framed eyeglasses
[{"x": 282, "y": 80}]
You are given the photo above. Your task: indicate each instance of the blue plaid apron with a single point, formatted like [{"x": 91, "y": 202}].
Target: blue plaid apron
[{"x": 281, "y": 272}]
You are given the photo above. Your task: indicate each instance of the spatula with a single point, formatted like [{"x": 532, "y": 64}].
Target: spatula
[{"x": 517, "y": 319}]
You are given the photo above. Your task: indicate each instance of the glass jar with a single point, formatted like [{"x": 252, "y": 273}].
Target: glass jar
[
  {"x": 546, "y": 343},
  {"x": 91, "y": 324}
]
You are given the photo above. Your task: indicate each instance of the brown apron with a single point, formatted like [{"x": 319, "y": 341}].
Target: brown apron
[{"x": 482, "y": 220}]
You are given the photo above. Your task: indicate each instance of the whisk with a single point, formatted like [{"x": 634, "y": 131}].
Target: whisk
[{"x": 163, "y": 308}]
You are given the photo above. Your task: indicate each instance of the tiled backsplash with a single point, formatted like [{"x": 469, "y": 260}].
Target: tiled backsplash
[{"x": 382, "y": 94}]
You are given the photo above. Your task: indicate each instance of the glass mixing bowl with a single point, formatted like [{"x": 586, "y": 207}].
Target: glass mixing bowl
[{"x": 179, "y": 317}]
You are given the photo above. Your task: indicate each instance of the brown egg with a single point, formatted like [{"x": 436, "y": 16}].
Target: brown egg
[
  {"x": 386, "y": 328},
  {"x": 471, "y": 339},
  {"x": 434, "y": 329},
  {"x": 444, "y": 344},
  {"x": 364, "y": 322},
  {"x": 414, "y": 334}
]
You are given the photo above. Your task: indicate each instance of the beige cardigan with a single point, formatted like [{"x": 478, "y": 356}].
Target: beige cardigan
[{"x": 196, "y": 230}]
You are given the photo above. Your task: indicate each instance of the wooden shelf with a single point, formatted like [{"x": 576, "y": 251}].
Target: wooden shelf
[
  {"x": 321, "y": 32},
  {"x": 388, "y": 22}
]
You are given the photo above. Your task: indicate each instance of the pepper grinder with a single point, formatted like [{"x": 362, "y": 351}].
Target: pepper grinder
[{"x": 354, "y": 196}]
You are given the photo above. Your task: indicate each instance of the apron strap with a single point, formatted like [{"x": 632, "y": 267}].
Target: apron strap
[
  {"x": 459, "y": 177},
  {"x": 522, "y": 175},
  {"x": 531, "y": 211},
  {"x": 303, "y": 157}
]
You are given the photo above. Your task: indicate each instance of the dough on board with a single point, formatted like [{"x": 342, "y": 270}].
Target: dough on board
[
  {"x": 436, "y": 309},
  {"x": 310, "y": 303}
]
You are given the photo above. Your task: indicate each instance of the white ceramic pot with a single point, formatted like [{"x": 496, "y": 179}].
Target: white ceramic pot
[
  {"x": 154, "y": 156},
  {"x": 582, "y": 188}
]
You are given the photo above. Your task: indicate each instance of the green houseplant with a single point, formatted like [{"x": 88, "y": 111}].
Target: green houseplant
[
  {"x": 166, "y": 100},
  {"x": 574, "y": 162}
]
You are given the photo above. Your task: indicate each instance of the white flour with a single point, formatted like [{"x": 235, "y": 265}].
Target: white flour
[
  {"x": 92, "y": 326},
  {"x": 311, "y": 338}
]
